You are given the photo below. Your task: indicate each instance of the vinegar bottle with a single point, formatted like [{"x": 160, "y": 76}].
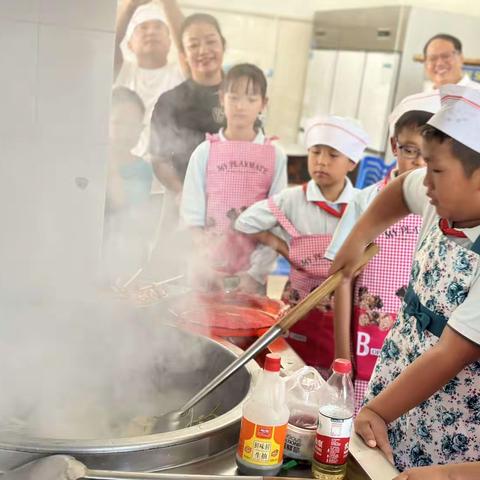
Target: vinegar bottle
[
  {"x": 335, "y": 420},
  {"x": 264, "y": 424}
]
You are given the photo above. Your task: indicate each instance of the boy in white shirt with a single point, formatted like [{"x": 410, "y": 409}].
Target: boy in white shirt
[
  {"x": 307, "y": 217},
  {"x": 423, "y": 402}
]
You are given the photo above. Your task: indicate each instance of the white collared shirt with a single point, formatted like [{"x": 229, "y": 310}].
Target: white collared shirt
[
  {"x": 306, "y": 217},
  {"x": 466, "y": 318}
]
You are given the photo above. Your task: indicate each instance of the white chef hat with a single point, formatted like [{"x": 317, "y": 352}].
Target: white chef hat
[
  {"x": 425, "y": 102},
  {"x": 459, "y": 116},
  {"x": 144, "y": 13},
  {"x": 342, "y": 134}
]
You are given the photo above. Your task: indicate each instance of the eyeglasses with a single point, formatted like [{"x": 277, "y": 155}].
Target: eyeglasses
[
  {"x": 445, "y": 57},
  {"x": 412, "y": 153}
]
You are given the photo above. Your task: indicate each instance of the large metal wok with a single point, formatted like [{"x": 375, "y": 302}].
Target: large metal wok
[{"x": 160, "y": 451}]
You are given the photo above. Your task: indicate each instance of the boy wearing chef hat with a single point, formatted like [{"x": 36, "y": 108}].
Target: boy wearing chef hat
[
  {"x": 142, "y": 45},
  {"x": 299, "y": 222},
  {"x": 377, "y": 292},
  {"x": 423, "y": 398}
]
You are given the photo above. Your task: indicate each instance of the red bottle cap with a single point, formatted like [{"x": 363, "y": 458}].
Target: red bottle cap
[
  {"x": 272, "y": 362},
  {"x": 340, "y": 365}
]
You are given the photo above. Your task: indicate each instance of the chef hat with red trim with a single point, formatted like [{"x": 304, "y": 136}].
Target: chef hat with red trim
[
  {"x": 424, "y": 102},
  {"x": 342, "y": 134},
  {"x": 144, "y": 13},
  {"x": 459, "y": 116}
]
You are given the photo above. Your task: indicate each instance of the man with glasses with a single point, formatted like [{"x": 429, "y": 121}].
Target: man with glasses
[{"x": 444, "y": 61}]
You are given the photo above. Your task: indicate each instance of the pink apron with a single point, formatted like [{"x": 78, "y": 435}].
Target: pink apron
[
  {"x": 378, "y": 295},
  {"x": 312, "y": 337},
  {"x": 238, "y": 175}
]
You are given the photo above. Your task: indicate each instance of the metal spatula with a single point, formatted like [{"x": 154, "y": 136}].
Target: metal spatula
[{"x": 177, "y": 419}]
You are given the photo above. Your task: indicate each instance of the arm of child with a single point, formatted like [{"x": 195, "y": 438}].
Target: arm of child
[
  {"x": 193, "y": 203},
  {"x": 343, "y": 295},
  {"x": 388, "y": 208},
  {"x": 257, "y": 221},
  {"x": 449, "y": 356},
  {"x": 342, "y": 320},
  {"x": 459, "y": 471},
  {"x": 272, "y": 241},
  {"x": 125, "y": 12}
]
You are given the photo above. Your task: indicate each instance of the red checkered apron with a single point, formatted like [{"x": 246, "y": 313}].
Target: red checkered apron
[
  {"x": 311, "y": 337},
  {"x": 238, "y": 175},
  {"x": 378, "y": 295}
]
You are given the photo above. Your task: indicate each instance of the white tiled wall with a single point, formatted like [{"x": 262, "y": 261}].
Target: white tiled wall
[{"x": 56, "y": 60}]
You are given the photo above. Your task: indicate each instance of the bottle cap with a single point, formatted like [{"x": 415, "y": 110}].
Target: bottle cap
[
  {"x": 272, "y": 363},
  {"x": 340, "y": 365}
]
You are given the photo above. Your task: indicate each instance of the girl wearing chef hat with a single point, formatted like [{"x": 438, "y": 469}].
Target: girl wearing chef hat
[
  {"x": 423, "y": 399},
  {"x": 304, "y": 219},
  {"x": 377, "y": 293}
]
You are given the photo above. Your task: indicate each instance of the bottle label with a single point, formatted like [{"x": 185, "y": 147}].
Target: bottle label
[
  {"x": 261, "y": 444},
  {"x": 299, "y": 442},
  {"x": 332, "y": 439}
]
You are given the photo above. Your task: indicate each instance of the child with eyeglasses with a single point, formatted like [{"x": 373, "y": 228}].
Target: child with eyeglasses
[{"x": 379, "y": 290}]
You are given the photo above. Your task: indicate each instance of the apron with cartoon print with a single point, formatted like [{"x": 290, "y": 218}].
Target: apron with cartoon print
[
  {"x": 378, "y": 295},
  {"x": 238, "y": 175},
  {"x": 312, "y": 337},
  {"x": 446, "y": 427}
]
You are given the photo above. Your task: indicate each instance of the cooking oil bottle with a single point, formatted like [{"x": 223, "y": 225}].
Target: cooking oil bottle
[
  {"x": 335, "y": 420},
  {"x": 264, "y": 424}
]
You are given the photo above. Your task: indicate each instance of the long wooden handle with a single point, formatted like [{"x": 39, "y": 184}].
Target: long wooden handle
[{"x": 325, "y": 289}]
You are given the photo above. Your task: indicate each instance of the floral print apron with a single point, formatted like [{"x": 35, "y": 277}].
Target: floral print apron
[{"x": 446, "y": 427}]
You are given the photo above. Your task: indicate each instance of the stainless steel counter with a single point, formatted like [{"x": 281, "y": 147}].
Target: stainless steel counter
[{"x": 365, "y": 464}]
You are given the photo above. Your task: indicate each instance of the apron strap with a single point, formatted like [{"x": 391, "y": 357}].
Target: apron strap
[
  {"x": 326, "y": 207},
  {"x": 212, "y": 137},
  {"x": 476, "y": 246},
  {"x": 282, "y": 218}
]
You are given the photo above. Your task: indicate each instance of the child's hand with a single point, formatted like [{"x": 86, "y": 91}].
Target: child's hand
[
  {"x": 435, "y": 472},
  {"x": 347, "y": 258},
  {"x": 373, "y": 430}
]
